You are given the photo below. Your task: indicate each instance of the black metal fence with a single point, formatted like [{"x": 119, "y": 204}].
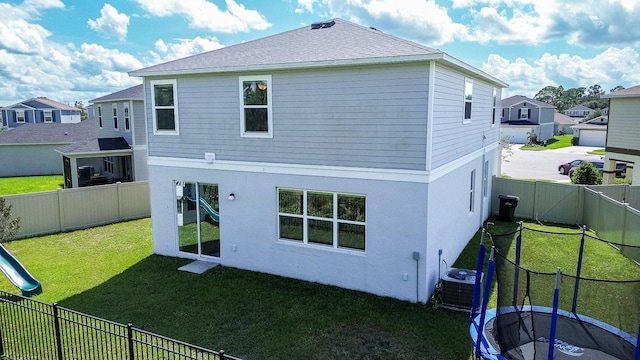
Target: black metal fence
[{"x": 31, "y": 329}]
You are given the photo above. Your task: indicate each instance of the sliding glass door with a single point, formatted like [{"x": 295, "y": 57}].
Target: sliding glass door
[{"x": 198, "y": 215}]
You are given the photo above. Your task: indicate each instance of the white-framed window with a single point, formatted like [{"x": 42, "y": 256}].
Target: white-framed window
[
  {"x": 325, "y": 219},
  {"x": 20, "y": 116},
  {"x": 48, "y": 116},
  {"x": 256, "y": 118},
  {"x": 164, "y": 102},
  {"x": 108, "y": 164},
  {"x": 485, "y": 178},
  {"x": 114, "y": 110},
  {"x": 127, "y": 122},
  {"x": 495, "y": 102},
  {"x": 472, "y": 186},
  {"x": 468, "y": 99},
  {"x": 524, "y": 113},
  {"x": 100, "y": 116}
]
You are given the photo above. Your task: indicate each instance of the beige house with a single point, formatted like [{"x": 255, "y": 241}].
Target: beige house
[{"x": 623, "y": 133}]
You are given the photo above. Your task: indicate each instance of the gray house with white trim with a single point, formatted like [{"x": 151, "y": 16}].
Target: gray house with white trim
[
  {"x": 332, "y": 153},
  {"x": 119, "y": 150},
  {"x": 38, "y": 110},
  {"x": 522, "y": 116}
]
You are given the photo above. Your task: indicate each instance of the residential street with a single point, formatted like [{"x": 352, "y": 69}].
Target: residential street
[{"x": 542, "y": 165}]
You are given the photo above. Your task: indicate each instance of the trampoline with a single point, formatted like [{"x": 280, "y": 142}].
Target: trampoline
[{"x": 541, "y": 328}]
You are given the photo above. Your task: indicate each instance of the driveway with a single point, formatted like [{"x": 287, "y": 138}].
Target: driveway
[{"x": 542, "y": 165}]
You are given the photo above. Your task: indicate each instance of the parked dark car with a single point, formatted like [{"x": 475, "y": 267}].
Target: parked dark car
[
  {"x": 598, "y": 164},
  {"x": 564, "y": 168}
]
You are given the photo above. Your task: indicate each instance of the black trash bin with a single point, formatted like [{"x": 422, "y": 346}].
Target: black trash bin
[{"x": 508, "y": 204}]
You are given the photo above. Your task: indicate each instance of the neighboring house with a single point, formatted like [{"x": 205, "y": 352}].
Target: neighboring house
[
  {"x": 579, "y": 112},
  {"x": 30, "y": 149},
  {"x": 522, "y": 116},
  {"x": 623, "y": 133},
  {"x": 561, "y": 123},
  {"x": 605, "y": 111},
  {"x": 592, "y": 132},
  {"x": 332, "y": 153},
  {"x": 119, "y": 151},
  {"x": 38, "y": 110}
]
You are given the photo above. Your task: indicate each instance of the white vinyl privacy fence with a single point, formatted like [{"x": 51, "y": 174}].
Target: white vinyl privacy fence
[
  {"x": 69, "y": 209},
  {"x": 611, "y": 211}
]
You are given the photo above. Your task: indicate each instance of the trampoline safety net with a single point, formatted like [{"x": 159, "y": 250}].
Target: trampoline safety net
[{"x": 523, "y": 316}]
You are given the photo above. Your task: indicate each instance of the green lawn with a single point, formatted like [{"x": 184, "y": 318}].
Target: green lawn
[
  {"x": 29, "y": 184},
  {"x": 110, "y": 272},
  {"x": 558, "y": 142}
]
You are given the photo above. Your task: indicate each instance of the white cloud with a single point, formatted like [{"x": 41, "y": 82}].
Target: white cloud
[
  {"x": 203, "y": 14},
  {"x": 111, "y": 23},
  {"x": 305, "y": 5},
  {"x": 422, "y": 20},
  {"x": 612, "y": 67},
  {"x": 94, "y": 55},
  {"x": 183, "y": 48}
]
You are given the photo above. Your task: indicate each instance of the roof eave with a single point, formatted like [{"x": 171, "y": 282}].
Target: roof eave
[
  {"x": 113, "y": 100},
  {"x": 97, "y": 153},
  {"x": 472, "y": 70},
  {"x": 289, "y": 66}
]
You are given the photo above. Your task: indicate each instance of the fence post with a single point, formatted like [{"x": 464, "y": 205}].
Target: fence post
[
  {"x": 1, "y": 344},
  {"x": 221, "y": 353},
  {"x": 130, "y": 341},
  {"x": 60, "y": 211},
  {"x": 119, "y": 194},
  {"x": 56, "y": 323}
]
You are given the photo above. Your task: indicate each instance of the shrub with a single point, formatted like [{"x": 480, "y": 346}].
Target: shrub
[
  {"x": 8, "y": 226},
  {"x": 586, "y": 174},
  {"x": 575, "y": 141}
]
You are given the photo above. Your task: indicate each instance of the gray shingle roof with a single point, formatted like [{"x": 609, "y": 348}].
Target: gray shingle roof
[
  {"x": 579, "y": 108},
  {"x": 132, "y": 93},
  {"x": 42, "y": 103},
  {"x": 344, "y": 43},
  {"x": 630, "y": 92},
  {"x": 53, "y": 133},
  {"x": 95, "y": 146},
  {"x": 517, "y": 99},
  {"x": 559, "y": 118}
]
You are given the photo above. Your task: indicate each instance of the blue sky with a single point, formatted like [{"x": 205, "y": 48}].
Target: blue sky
[{"x": 70, "y": 50}]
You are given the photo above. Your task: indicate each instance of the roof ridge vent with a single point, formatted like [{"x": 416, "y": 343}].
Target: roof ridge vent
[{"x": 322, "y": 24}]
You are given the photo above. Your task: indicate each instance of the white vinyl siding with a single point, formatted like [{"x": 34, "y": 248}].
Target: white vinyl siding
[
  {"x": 164, "y": 105},
  {"x": 624, "y": 128}
]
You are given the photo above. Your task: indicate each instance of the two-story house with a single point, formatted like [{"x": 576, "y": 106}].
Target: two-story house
[
  {"x": 333, "y": 153},
  {"x": 119, "y": 150},
  {"x": 579, "y": 112},
  {"x": 522, "y": 116},
  {"x": 623, "y": 133},
  {"x": 38, "y": 110}
]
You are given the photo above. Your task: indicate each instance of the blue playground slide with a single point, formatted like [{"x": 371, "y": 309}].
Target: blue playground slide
[
  {"x": 210, "y": 210},
  {"x": 18, "y": 274}
]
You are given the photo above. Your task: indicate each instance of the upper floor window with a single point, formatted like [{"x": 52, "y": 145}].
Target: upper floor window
[
  {"x": 20, "y": 116},
  {"x": 48, "y": 116},
  {"x": 495, "y": 102},
  {"x": 100, "y": 116},
  {"x": 468, "y": 97},
  {"x": 255, "y": 106},
  {"x": 164, "y": 102},
  {"x": 114, "y": 109},
  {"x": 127, "y": 122},
  {"x": 321, "y": 218}
]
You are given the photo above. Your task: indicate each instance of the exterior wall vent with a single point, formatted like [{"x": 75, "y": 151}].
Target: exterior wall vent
[{"x": 322, "y": 24}]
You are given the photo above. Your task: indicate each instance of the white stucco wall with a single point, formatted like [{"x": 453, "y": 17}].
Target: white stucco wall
[{"x": 396, "y": 227}]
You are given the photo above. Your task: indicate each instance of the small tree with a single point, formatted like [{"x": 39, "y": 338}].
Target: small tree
[
  {"x": 533, "y": 138},
  {"x": 586, "y": 174},
  {"x": 8, "y": 226}
]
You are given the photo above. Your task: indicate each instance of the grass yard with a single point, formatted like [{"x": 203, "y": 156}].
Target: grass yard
[
  {"x": 557, "y": 142},
  {"x": 29, "y": 184},
  {"x": 110, "y": 272}
]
